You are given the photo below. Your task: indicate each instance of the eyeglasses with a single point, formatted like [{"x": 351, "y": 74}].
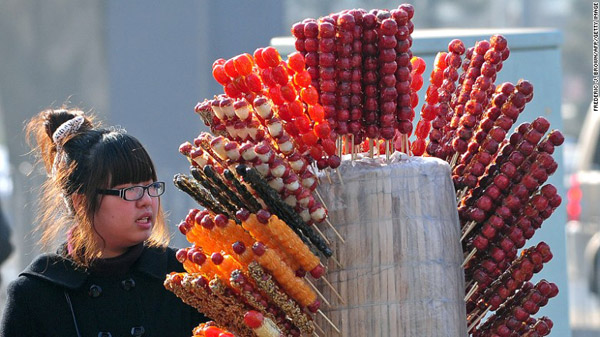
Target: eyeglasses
[{"x": 133, "y": 193}]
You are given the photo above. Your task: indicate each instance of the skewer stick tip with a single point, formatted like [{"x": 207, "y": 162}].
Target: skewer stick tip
[
  {"x": 333, "y": 289},
  {"x": 330, "y": 322}
]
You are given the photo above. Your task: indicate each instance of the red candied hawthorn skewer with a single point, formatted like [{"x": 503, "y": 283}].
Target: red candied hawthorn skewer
[
  {"x": 430, "y": 106},
  {"x": 325, "y": 76},
  {"x": 356, "y": 87},
  {"x": 387, "y": 64},
  {"x": 404, "y": 110},
  {"x": 370, "y": 76},
  {"x": 342, "y": 61},
  {"x": 508, "y": 102},
  {"x": 440, "y": 124}
]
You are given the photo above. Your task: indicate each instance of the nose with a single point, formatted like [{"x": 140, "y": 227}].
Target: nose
[{"x": 146, "y": 199}]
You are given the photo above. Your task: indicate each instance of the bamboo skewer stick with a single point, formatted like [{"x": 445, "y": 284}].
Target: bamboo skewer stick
[
  {"x": 467, "y": 229},
  {"x": 461, "y": 194},
  {"x": 318, "y": 292},
  {"x": 475, "y": 322},
  {"x": 333, "y": 289},
  {"x": 335, "y": 230},
  {"x": 387, "y": 151},
  {"x": 322, "y": 235},
  {"x": 340, "y": 176},
  {"x": 337, "y": 262},
  {"x": 471, "y": 291},
  {"x": 453, "y": 160},
  {"x": 330, "y": 322},
  {"x": 469, "y": 257},
  {"x": 319, "y": 328}
]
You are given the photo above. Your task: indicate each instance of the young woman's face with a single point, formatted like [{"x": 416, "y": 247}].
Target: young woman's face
[{"x": 122, "y": 223}]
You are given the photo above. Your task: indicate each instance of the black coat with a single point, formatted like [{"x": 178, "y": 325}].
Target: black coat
[{"x": 52, "y": 298}]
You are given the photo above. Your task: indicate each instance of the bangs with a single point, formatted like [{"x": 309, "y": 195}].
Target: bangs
[{"x": 125, "y": 160}]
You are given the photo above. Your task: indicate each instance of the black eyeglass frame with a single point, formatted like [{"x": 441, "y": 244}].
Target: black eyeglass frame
[{"x": 121, "y": 191}]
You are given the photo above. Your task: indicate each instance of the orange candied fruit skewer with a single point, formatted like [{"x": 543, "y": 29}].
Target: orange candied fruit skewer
[
  {"x": 194, "y": 261},
  {"x": 257, "y": 225},
  {"x": 226, "y": 264},
  {"x": 232, "y": 232},
  {"x": 296, "y": 287},
  {"x": 293, "y": 244}
]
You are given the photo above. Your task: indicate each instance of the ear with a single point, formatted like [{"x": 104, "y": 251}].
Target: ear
[{"x": 77, "y": 201}]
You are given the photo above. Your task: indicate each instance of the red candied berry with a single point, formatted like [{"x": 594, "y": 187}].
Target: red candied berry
[
  {"x": 230, "y": 69},
  {"x": 221, "y": 220},
  {"x": 302, "y": 123},
  {"x": 322, "y": 129},
  {"x": 316, "y": 113},
  {"x": 309, "y": 95},
  {"x": 216, "y": 258},
  {"x": 334, "y": 161},
  {"x": 220, "y": 76},
  {"x": 298, "y": 30},
  {"x": 328, "y": 146},
  {"x": 309, "y": 138},
  {"x": 181, "y": 255},
  {"x": 271, "y": 56},
  {"x": 556, "y": 138},
  {"x": 498, "y": 42},
  {"x": 316, "y": 152},
  {"x": 212, "y": 331},
  {"x": 259, "y": 59},
  {"x": 456, "y": 46},
  {"x": 238, "y": 247},
  {"x": 296, "y": 61},
  {"x": 288, "y": 92},
  {"x": 302, "y": 78},
  {"x": 418, "y": 147},
  {"x": 232, "y": 91},
  {"x": 259, "y": 248},
  {"x": 416, "y": 84},
  {"x": 243, "y": 64},
  {"x": 253, "y": 319}
]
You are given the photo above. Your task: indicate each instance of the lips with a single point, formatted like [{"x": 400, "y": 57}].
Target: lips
[{"x": 145, "y": 219}]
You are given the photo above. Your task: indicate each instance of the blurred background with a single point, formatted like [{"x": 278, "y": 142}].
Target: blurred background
[{"x": 144, "y": 65}]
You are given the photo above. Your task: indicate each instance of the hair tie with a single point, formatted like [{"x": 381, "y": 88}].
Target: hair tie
[{"x": 65, "y": 129}]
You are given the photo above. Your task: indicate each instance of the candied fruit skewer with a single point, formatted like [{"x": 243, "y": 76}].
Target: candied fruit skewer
[
  {"x": 341, "y": 61},
  {"x": 283, "y": 211},
  {"x": 370, "y": 77},
  {"x": 256, "y": 224},
  {"x": 194, "y": 290},
  {"x": 356, "y": 87},
  {"x": 249, "y": 200},
  {"x": 520, "y": 270},
  {"x": 440, "y": 123},
  {"x": 260, "y": 325},
  {"x": 201, "y": 196},
  {"x": 285, "y": 276},
  {"x": 266, "y": 284},
  {"x": 406, "y": 100},
  {"x": 285, "y": 241},
  {"x": 430, "y": 107}
]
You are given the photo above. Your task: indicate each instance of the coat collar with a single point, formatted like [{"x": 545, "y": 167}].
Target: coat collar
[{"x": 57, "y": 269}]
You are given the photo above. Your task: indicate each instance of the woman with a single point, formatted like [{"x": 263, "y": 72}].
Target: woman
[{"x": 107, "y": 279}]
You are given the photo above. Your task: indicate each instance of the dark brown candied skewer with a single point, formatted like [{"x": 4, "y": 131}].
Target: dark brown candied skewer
[
  {"x": 281, "y": 209},
  {"x": 250, "y": 201},
  {"x": 230, "y": 193},
  {"x": 220, "y": 195},
  {"x": 202, "y": 197}
]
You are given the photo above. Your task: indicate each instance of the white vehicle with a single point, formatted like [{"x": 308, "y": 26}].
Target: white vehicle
[{"x": 583, "y": 227}]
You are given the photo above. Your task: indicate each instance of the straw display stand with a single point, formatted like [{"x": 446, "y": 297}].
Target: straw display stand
[{"x": 400, "y": 273}]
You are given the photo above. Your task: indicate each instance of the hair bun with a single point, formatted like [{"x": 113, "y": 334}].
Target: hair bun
[{"x": 54, "y": 119}]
